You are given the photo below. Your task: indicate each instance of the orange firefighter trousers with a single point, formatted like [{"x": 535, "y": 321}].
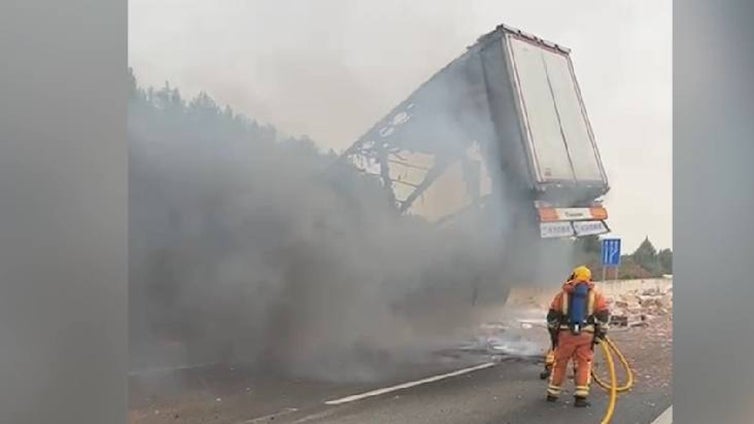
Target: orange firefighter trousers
[{"x": 579, "y": 349}]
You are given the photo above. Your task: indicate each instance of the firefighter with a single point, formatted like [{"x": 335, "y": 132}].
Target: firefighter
[
  {"x": 578, "y": 319},
  {"x": 550, "y": 356}
]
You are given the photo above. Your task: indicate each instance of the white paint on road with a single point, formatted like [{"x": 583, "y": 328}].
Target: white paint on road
[
  {"x": 666, "y": 417},
  {"x": 408, "y": 385}
]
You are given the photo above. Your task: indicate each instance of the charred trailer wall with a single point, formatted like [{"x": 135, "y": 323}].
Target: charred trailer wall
[{"x": 490, "y": 137}]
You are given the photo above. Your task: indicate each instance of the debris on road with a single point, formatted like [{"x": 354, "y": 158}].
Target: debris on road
[
  {"x": 635, "y": 307},
  {"x": 514, "y": 333}
]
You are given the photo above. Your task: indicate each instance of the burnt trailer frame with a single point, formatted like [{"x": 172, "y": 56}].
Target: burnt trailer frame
[{"x": 478, "y": 98}]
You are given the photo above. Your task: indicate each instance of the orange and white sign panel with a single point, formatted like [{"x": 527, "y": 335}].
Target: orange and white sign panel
[{"x": 572, "y": 214}]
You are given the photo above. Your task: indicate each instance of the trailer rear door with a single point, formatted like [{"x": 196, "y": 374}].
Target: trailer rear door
[{"x": 558, "y": 135}]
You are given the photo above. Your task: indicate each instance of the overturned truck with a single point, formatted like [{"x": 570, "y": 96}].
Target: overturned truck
[{"x": 504, "y": 124}]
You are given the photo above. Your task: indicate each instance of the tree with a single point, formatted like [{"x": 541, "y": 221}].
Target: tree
[
  {"x": 646, "y": 257},
  {"x": 665, "y": 257}
]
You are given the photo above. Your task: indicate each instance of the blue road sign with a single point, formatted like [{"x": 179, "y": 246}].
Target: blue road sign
[{"x": 610, "y": 252}]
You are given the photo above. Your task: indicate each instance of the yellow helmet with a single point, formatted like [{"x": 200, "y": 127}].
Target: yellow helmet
[{"x": 582, "y": 273}]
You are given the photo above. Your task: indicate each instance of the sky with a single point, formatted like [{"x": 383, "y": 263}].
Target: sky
[{"x": 330, "y": 69}]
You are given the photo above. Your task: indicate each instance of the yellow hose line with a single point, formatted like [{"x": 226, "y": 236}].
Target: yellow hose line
[
  {"x": 624, "y": 362},
  {"x": 613, "y": 385},
  {"x": 629, "y": 372},
  {"x": 608, "y": 350}
]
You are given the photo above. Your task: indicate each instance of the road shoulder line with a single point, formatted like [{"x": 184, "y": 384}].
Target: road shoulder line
[
  {"x": 410, "y": 384},
  {"x": 666, "y": 417}
]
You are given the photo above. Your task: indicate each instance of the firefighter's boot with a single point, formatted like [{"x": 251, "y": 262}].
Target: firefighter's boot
[{"x": 580, "y": 402}]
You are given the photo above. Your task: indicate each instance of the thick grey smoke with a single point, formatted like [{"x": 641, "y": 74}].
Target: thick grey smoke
[{"x": 246, "y": 246}]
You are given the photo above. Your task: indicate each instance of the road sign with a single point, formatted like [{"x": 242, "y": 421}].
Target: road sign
[
  {"x": 589, "y": 228},
  {"x": 555, "y": 229},
  {"x": 611, "y": 252}
]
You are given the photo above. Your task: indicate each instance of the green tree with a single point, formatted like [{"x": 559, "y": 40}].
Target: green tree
[
  {"x": 646, "y": 257},
  {"x": 665, "y": 257}
]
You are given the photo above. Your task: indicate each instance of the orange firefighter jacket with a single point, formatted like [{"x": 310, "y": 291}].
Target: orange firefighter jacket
[{"x": 597, "y": 304}]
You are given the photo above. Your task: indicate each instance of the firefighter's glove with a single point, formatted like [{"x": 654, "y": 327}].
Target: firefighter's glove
[
  {"x": 553, "y": 321},
  {"x": 601, "y": 333}
]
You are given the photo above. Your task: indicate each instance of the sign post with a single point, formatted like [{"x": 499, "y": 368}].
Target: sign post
[{"x": 610, "y": 255}]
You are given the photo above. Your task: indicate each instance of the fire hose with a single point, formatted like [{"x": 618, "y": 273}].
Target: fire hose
[{"x": 610, "y": 351}]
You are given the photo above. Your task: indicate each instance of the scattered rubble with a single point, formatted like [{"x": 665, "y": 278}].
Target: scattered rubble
[
  {"x": 634, "y": 308},
  {"x": 632, "y": 303}
]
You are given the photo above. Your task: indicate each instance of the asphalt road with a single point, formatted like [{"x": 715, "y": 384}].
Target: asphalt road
[
  {"x": 505, "y": 393},
  {"x": 508, "y": 393}
]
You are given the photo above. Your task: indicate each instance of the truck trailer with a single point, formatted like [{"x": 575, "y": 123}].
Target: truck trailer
[{"x": 502, "y": 124}]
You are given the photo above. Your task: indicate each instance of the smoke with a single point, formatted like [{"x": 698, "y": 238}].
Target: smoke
[{"x": 248, "y": 246}]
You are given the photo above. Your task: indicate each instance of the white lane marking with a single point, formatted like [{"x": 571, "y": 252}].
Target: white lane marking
[
  {"x": 285, "y": 411},
  {"x": 408, "y": 385},
  {"x": 666, "y": 417}
]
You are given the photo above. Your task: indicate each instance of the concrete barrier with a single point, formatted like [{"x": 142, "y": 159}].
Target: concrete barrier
[
  {"x": 623, "y": 286},
  {"x": 522, "y": 295}
]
